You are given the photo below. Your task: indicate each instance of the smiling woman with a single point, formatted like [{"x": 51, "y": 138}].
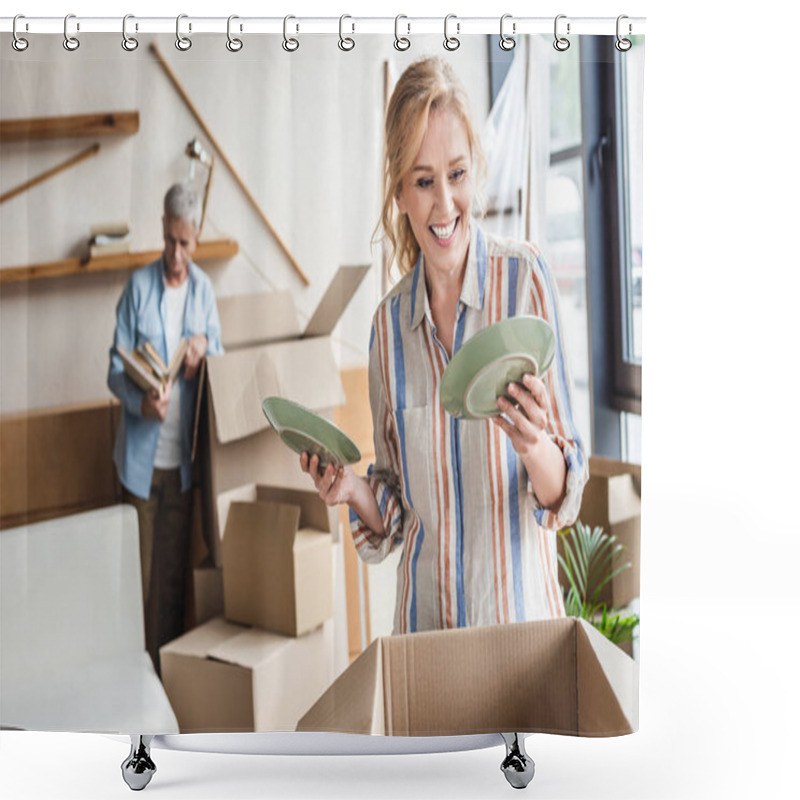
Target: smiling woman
[{"x": 474, "y": 504}]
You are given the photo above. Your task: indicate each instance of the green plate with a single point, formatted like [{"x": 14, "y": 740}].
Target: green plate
[
  {"x": 305, "y": 431},
  {"x": 494, "y": 357}
]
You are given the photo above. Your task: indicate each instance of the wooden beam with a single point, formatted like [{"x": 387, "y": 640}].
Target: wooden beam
[
  {"x": 227, "y": 162},
  {"x": 70, "y": 162},
  {"x": 206, "y": 251},
  {"x": 111, "y": 123}
]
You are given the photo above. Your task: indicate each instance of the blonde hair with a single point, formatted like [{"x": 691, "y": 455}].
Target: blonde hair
[{"x": 427, "y": 85}]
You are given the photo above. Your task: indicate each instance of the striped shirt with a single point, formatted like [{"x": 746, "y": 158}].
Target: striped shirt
[{"x": 478, "y": 549}]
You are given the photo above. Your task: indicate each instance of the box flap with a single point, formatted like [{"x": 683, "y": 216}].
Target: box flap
[
  {"x": 608, "y": 685},
  {"x": 340, "y": 292},
  {"x": 239, "y": 381},
  {"x": 200, "y": 641},
  {"x": 307, "y": 373},
  {"x": 314, "y": 512},
  {"x": 246, "y": 493},
  {"x": 249, "y": 522},
  {"x": 250, "y": 649},
  {"x": 354, "y": 702},
  {"x": 257, "y": 318}
]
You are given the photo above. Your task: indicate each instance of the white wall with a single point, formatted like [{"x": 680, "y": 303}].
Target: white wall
[{"x": 303, "y": 129}]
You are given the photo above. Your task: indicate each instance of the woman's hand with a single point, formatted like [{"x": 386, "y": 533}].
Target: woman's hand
[
  {"x": 526, "y": 425},
  {"x": 333, "y": 485}
]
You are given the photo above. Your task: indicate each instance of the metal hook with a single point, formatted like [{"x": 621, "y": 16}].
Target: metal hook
[
  {"x": 289, "y": 44},
  {"x": 401, "y": 42},
  {"x": 18, "y": 43},
  {"x": 561, "y": 43},
  {"x": 183, "y": 43},
  {"x": 70, "y": 43},
  {"x": 451, "y": 42},
  {"x": 345, "y": 42},
  {"x": 506, "y": 42},
  {"x": 233, "y": 44},
  {"x": 623, "y": 45},
  {"x": 129, "y": 43}
]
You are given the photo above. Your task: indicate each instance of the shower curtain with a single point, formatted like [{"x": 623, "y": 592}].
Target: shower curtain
[{"x": 477, "y": 609}]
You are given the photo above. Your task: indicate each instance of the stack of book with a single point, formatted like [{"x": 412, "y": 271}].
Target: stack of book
[
  {"x": 147, "y": 370},
  {"x": 109, "y": 238}
]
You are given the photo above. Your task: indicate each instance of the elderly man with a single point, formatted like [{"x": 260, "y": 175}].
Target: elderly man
[{"x": 163, "y": 303}]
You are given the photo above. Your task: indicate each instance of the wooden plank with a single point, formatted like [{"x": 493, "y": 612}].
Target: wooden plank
[
  {"x": 111, "y": 123},
  {"x": 206, "y": 251},
  {"x": 55, "y": 461}
]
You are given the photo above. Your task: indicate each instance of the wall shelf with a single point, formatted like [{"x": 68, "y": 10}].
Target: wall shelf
[
  {"x": 213, "y": 250},
  {"x": 110, "y": 123}
]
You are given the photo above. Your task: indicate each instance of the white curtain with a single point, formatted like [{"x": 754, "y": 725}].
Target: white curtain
[{"x": 516, "y": 139}]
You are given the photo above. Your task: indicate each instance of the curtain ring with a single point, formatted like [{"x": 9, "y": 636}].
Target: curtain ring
[
  {"x": 183, "y": 43},
  {"x": 561, "y": 43},
  {"x": 233, "y": 44},
  {"x": 70, "y": 43},
  {"x": 17, "y": 42},
  {"x": 401, "y": 42},
  {"x": 289, "y": 44},
  {"x": 506, "y": 42},
  {"x": 451, "y": 42},
  {"x": 345, "y": 42},
  {"x": 129, "y": 43},
  {"x": 623, "y": 45}
]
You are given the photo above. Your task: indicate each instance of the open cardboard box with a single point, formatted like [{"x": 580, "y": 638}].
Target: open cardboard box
[
  {"x": 278, "y": 560},
  {"x": 550, "y": 676},
  {"x": 222, "y": 677},
  {"x": 267, "y": 354}
]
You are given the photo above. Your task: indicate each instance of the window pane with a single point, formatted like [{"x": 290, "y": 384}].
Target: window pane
[
  {"x": 631, "y": 438},
  {"x": 566, "y": 255},
  {"x": 631, "y": 100},
  {"x": 565, "y": 97}
]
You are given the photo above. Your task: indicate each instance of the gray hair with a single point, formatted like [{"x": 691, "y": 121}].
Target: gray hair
[{"x": 183, "y": 202}]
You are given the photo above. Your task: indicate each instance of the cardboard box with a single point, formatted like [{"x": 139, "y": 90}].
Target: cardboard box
[
  {"x": 278, "y": 562},
  {"x": 612, "y": 500},
  {"x": 224, "y": 677},
  {"x": 550, "y": 676},
  {"x": 267, "y": 354},
  {"x": 207, "y": 594}
]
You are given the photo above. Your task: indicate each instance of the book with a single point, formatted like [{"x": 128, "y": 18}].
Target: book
[
  {"x": 146, "y": 368},
  {"x": 109, "y": 238}
]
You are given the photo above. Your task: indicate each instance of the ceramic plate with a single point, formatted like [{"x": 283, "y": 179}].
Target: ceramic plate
[
  {"x": 498, "y": 355},
  {"x": 303, "y": 430}
]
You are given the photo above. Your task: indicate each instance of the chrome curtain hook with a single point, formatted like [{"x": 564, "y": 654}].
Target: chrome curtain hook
[
  {"x": 451, "y": 42},
  {"x": 401, "y": 42},
  {"x": 289, "y": 44},
  {"x": 129, "y": 43},
  {"x": 345, "y": 42},
  {"x": 17, "y": 42},
  {"x": 506, "y": 42},
  {"x": 233, "y": 44},
  {"x": 622, "y": 44},
  {"x": 561, "y": 43},
  {"x": 70, "y": 43},
  {"x": 183, "y": 43}
]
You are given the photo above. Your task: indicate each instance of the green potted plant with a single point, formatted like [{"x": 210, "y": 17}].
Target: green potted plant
[{"x": 590, "y": 561}]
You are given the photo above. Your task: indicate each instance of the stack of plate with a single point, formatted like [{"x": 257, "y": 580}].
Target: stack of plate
[
  {"x": 481, "y": 370},
  {"x": 304, "y": 431}
]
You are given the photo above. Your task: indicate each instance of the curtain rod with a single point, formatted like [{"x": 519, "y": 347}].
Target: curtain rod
[{"x": 407, "y": 26}]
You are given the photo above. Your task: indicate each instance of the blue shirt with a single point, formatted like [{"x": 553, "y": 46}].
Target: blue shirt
[{"x": 141, "y": 314}]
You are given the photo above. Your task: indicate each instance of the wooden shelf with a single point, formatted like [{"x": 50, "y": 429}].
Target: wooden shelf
[
  {"x": 111, "y": 123},
  {"x": 214, "y": 250}
]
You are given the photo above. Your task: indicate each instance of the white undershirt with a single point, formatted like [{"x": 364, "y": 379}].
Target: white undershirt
[{"x": 168, "y": 451}]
